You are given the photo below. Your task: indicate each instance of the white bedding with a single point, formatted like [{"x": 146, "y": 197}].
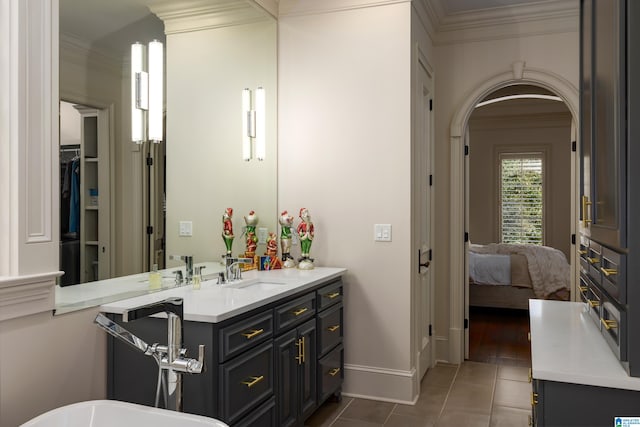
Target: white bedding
[{"x": 489, "y": 269}]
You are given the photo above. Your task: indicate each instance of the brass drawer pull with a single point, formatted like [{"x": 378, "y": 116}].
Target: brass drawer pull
[
  {"x": 299, "y": 311},
  {"x": 583, "y": 288},
  {"x": 333, "y": 295},
  {"x": 609, "y": 271},
  {"x": 534, "y": 398},
  {"x": 582, "y": 252},
  {"x": 252, "y": 333},
  {"x": 333, "y": 328},
  {"x": 609, "y": 324},
  {"x": 593, "y": 303},
  {"x": 300, "y": 356},
  {"x": 593, "y": 260},
  {"x": 334, "y": 372},
  {"x": 253, "y": 381}
]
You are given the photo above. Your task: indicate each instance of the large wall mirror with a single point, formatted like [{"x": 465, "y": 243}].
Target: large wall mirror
[{"x": 137, "y": 205}]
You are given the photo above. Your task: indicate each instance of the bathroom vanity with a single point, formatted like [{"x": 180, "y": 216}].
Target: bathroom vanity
[{"x": 273, "y": 347}]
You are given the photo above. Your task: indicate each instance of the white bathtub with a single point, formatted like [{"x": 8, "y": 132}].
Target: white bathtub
[{"x": 109, "y": 413}]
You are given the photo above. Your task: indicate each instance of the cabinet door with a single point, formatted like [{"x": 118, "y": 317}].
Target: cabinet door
[
  {"x": 287, "y": 355},
  {"x": 308, "y": 369},
  {"x": 586, "y": 124},
  {"x": 608, "y": 117}
]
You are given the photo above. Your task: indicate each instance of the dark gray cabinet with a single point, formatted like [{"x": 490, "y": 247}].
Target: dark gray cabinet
[
  {"x": 559, "y": 404},
  {"x": 610, "y": 149},
  {"x": 262, "y": 368}
]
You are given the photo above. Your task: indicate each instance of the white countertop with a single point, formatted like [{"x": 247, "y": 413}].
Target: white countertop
[
  {"x": 214, "y": 303},
  {"x": 91, "y": 294},
  {"x": 566, "y": 346}
]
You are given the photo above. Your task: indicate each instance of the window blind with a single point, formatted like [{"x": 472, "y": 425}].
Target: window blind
[{"x": 521, "y": 199}]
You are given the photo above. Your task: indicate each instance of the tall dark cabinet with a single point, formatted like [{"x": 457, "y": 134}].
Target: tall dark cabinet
[{"x": 610, "y": 208}]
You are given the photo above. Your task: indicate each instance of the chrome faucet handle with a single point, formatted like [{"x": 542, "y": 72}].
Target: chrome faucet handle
[
  {"x": 188, "y": 261},
  {"x": 178, "y": 278},
  {"x": 169, "y": 305}
]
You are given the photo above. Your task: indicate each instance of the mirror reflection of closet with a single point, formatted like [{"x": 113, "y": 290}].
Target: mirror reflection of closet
[{"x": 85, "y": 247}]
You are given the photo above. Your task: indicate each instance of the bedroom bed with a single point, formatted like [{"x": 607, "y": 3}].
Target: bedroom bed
[{"x": 508, "y": 275}]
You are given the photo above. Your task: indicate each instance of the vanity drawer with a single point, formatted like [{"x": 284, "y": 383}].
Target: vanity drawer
[
  {"x": 613, "y": 268},
  {"x": 330, "y": 373},
  {"x": 329, "y": 328},
  {"x": 613, "y": 323},
  {"x": 244, "y": 334},
  {"x": 295, "y": 312},
  {"x": 329, "y": 295},
  {"x": 264, "y": 415},
  {"x": 593, "y": 259},
  {"x": 245, "y": 382}
]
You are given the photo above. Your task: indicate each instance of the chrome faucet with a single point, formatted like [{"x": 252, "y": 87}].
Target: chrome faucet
[
  {"x": 233, "y": 270},
  {"x": 188, "y": 261},
  {"x": 171, "y": 358}
]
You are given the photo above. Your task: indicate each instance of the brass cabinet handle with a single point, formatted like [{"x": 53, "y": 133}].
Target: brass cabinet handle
[
  {"x": 253, "y": 381},
  {"x": 534, "y": 398},
  {"x": 609, "y": 271},
  {"x": 252, "y": 333},
  {"x": 585, "y": 204},
  {"x": 593, "y": 303},
  {"x": 300, "y": 311},
  {"x": 334, "y": 372},
  {"x": 593, "y": 260},
  {"x": 609, "y": 324},
  {"x": 300, "y": 356},
  {"x": 333, "y": 328},
  {"x": 583, "y": 252},
  {"x": 333, "y": 295},
  {"x": 583, "y": 288},
  {"x": 529, "y": 336}
]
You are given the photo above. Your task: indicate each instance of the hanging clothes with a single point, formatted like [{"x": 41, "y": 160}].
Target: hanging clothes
[{"x": 74, "y": 197}]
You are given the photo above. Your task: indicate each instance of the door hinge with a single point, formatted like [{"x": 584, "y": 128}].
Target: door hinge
[
  {"x": 430, "y": 254},
  {"x": 574, "y": 146},
  {"x": 466, "y": 323},
  {"x": 430, "y": 180},
  {"x": 149, "y": 229},
  {"x": 466, "y": 237},
  {"x": 466, "y": 150},
  {"x": 431, "y": 105},
  {"x": 573, "y": 239},
  {"x": 430, "y": 330},
  {"x": 149, "y": 160}
]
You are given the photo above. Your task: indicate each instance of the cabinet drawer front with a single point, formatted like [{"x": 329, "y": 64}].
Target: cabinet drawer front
[
  {"x": 295, "y": 312},
  {"x": 613, "y": 325},
  {"x": 330, "y": 373},
  {"x": 329, "y": 328},
  {"x": 264, "y": 415},
  {"x": 245, "y": 382},
  {"x": 613, "y": 269},
  {"x": 329, "y": 295},
  {"x": 245, "y": 334}
]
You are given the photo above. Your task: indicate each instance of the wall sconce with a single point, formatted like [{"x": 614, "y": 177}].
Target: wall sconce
[
  {"x": 253, "y": 124},
  {"x": 147, "y": 93}
]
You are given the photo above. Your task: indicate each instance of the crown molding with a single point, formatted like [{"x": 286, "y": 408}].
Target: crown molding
[
  {"x": 197, "y": 15},
  {"x": 78, "y": 52},
  {"x": 544, "y": 17},
  {"x": 311, "y": 7}
]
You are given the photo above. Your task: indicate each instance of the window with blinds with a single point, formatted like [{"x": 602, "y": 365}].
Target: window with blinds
[{"x": 521, "y": 198}]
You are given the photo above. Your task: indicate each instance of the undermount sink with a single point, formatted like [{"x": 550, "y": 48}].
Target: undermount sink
[
  {"x": 107, "y": 413},
  {"x": 258, "y": 286}
]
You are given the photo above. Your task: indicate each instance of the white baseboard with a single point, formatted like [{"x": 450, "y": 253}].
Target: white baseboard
[{"x": 388, "y": 385}]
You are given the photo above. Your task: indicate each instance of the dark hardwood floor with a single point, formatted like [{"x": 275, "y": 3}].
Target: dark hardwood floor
[{"x": 499, "y": 336}]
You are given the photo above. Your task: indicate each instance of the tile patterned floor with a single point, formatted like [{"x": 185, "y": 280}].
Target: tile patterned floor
[{"x": 472, "y": 394}]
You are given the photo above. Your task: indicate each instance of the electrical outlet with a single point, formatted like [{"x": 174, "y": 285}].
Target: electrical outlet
[{"x": 186, "y": 228}]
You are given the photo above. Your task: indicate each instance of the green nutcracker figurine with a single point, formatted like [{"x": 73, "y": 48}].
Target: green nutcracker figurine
[
  {"x": 286, "y": 222},
  {"x": 306, "y": 232},
  {"x": 227, "y": 230}
]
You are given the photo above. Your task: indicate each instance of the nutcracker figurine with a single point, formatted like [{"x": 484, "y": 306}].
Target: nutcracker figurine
[{"x": 306, "y": 232}]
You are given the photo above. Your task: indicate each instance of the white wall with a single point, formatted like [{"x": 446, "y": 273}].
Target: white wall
[
  {"x": 460, "y": 69},
  {"x": 344, "y": 153}
]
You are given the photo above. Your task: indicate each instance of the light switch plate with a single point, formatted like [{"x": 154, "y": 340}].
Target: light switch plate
[
  {"x": 263, "y": 233},
  {"x": 186, "y": 228},
  {"x": 382, "y": 232}
]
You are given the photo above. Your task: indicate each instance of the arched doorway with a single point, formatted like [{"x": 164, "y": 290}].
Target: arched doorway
[{"x": 518, "y": 75}]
